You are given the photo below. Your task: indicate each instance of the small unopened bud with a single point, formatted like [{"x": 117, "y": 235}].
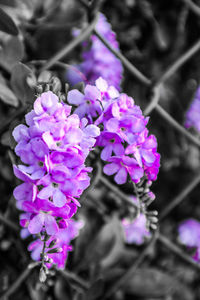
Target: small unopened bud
[
  {"x": 39, "y": 89},
  {"x": 53, "y": 243},
  {"x": 42, "y": 275},
  {"x": 55, "y": 250}
]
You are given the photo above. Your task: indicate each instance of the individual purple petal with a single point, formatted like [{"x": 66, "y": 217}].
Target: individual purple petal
[
  {"x": 50, "y": 225},
  {"x": 36, "y": 224},
  {"x": 59, "y": 199},
  {"x": 121, "y": 176},
  {"x": 111, "y": 169},
  {"x": 75, "y": 97}
]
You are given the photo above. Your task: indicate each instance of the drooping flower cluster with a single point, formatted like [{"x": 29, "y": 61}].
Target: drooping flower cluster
[
  {"x": 53, "y": 148},
  {"x": 135, "y": 231},
  {"x": 193, "y": 114},
  {"x": 127, "y": 146},
  {"x": 97, "y": 58},
  {"x": 189, "y": 235}
]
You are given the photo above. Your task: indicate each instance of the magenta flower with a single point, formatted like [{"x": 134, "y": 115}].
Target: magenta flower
[
  {"x": 192, "y": 118},
  {"x": 53, "y": 148}
]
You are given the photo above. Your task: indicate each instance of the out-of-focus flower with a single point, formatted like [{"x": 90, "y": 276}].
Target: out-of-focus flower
[
  {"x": 135, "y": 230},
  {"x": 189, "y": 235},
  {"x": 98, "y": 61},
  {"x": 192, "y": 118}
]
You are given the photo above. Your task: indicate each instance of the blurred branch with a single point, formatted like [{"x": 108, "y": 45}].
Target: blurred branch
[
  {"x": 178, "y": 251},
  {"x": 134, "y": 71},
  {"x": 130, "y": 272},
  {"x": 193, "y": 7},
  {"x": 170, "y": 72},
  {"x": 165, "y": 115},
  {"x": 177, "y": 200},
  {"x": 72, "y": 276},
  {"x": 23, "y": 276},
  {"x": 69, "y": 47},
  {"x": 9, "y": 223},
  {"x": 118, "y": 192}
]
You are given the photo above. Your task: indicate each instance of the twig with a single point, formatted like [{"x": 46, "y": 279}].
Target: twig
[
  {"x": 154, "y": 100},
  {"x": 176, "y": 125},
  {"x": 134, "y": 71},
  {"x": 125, "y": 277},
  {"x": 179, "y": 62},
  {"x": 69, "y": 47},
  {"x": 117, "y": 191},
  {"x": 177, "y": 200},
  {"x": 178, "y": 251},
  {"x": 9, "y": 223},
  {"x": 69, "y": 275},
  {"x": 193, "y": 7},
  {"x": 16, "y": 284}
]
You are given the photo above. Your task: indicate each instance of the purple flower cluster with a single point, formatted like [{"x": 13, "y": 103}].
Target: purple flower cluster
[
  {"x": 53, "y": 147},
  {"x": 135, "y": 230},
  {"x": 97, "y": 59},
  {"x": 189, "y": 235},
  {"x": 127, "y": 146},
  {"x": 193, "y": 114}
]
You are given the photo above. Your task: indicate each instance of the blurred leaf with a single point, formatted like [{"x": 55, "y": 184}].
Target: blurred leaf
[
  {"x": 62, "y": 289},
  {"x": 6, "y": 24},
  {"x": 150, "y": 282},
  {"x": 103, "y": 242},
  {"x": 19, "y": 76},
  {"x": 95, "y": 291},
  {"x": 7, "y": 96},
  {"x": 12, "y": 52}
]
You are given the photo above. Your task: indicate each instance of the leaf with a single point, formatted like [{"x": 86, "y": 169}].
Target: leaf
[
  {"x": 150, "y": 282},
  {"x": 11, "y": 53},
  {"x": 19, "y": 76},
  {"x": 6, "y": 24},
  {"x": 7, "y": 96},
  {"x": 62, "y": 289},
  {"x": 95, "y": 291}
]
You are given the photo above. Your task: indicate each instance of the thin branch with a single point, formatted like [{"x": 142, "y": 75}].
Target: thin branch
[
  {"x": 134, "y": 71},
  {"x": 69, "y": 47},
  {"x": 118, "y": 192},
  {"x": 154, "y": 99},
  {"x": 177, "y": 200},
  {"x": 165, "y": 115},
  {"x": 24, "y": 275},
  {"x": 179, "y": 62},
  {"x": 9, "y": 223},
  {"x": 130, "y": 272},
  {"x": 193, "y": 7},
  {"x": 178, "y": 251},
  {"x": 72, "y": 276}
]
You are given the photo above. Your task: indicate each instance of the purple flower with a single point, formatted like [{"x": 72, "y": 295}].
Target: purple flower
[
  {"x": 112, "y": 143},
  {"x": 189, "y": 233},
  {"x": 53, "y": 148},
  {"x": 135, "y": 230},
  {"x": 98, "y": 61},
  {"x": 192, "y": 118}
]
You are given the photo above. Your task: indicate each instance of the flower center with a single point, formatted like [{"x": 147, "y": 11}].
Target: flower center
[
  {"x": 123, "y": 129},
  {"x": 88, "y": 102},
  {"x": 55, "y": 185},
  {"x": 41, "y": 164},
  {"x": 112, "y": 141}
]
